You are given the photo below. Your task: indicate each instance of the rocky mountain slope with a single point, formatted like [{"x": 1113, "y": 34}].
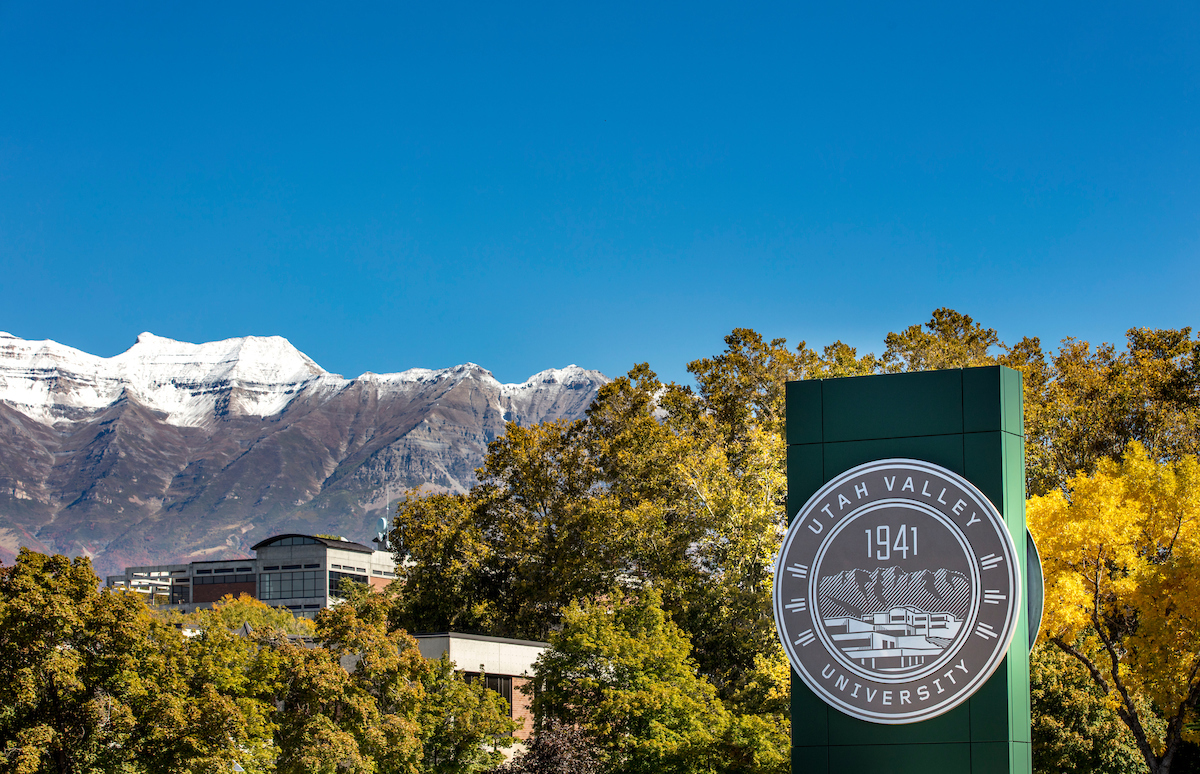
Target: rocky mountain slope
[{"x": 172, "y": 451}]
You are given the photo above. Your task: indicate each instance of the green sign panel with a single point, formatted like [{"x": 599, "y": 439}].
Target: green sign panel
[{"x": 900, "y": 590}]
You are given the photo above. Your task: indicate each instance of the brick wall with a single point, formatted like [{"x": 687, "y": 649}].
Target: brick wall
[{"x": 521, "y": 709}]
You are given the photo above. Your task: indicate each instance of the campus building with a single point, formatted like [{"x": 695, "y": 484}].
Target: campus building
[
  {"x": 301, "y": 573},
  {"x": 506, "y": 666}
]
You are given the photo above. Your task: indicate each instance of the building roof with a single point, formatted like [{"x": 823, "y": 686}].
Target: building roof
[
  {"x": 480, "y": 638},
  {"x": 475, "y": 652},
  {"x": 344, "y": 545}
]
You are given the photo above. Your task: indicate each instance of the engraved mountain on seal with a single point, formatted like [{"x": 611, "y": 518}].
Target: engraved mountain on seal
[
  {"x": 889, "y": 620},
  {"x": 859, "y": 592}
]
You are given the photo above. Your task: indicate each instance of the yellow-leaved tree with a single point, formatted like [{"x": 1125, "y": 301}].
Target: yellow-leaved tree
[{"x": 1121, "y": 551}]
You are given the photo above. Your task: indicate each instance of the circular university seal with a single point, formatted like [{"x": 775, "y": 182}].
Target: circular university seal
[{"x": 897, "y": 591}]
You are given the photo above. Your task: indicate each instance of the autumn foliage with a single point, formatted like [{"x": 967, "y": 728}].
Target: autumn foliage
[
  {"x": 1121, "y": 554},
  {"x": 639, "y": 542},
  {"x": 99, "y": 683}
]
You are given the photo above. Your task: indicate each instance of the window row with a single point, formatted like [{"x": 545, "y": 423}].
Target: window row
[
  {"x": 294, "y": 540},
  {"x": 291, "y": 585},
  {"x": 336, "y": 579},
  {"x": 223, "y": 579}
]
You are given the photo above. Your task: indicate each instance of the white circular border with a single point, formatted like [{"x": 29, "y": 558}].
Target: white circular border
[{"x": 1011, "y": 619}]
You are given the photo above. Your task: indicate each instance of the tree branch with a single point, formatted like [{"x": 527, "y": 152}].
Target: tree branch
[
  {"x": 1174, "y": 537},
  {"x": 1175, "y": 726},
  {"x": 1074, "y": 652},
  {"x": 1128, "y": 712}
]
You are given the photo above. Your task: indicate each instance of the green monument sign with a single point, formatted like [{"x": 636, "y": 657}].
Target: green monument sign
[{"x": 900, "y": 594}]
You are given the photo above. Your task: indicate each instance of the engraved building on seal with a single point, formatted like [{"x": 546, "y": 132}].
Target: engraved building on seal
[{"x": 889, "y": 620}]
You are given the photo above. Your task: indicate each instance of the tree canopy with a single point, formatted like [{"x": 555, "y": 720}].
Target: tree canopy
[
  {"x": 681, "y": 489},
  {"x": 656, "y": 517},
  {"x": 622, "y": 672},
  {"x": 1120, "y": 552},
  {"x": 98, "y": 682}
]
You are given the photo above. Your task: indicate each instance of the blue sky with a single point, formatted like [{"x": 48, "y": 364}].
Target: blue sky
[{"x": 401, "y": 185}]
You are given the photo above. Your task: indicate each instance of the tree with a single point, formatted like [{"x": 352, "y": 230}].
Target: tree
[
  {"x": 231, "y": 613},
  {"x": 547, "y": 530},
  {"x": 744, "y": 386},
  {"x": 647, "y": 491},
  {"x": 948, "y": 340},
  {"x": 95, "y": 683},
  {"x": 441, "y": 554},
  {"x": 351, "y": 705},
  {"x": 365, "y": 700},
  {"x": 463, "y": 724},
  {"x": 214, "y": 717},
  {"x": 506, "y": 557},
  {"x": 563, "y": 511},
  {"x": 1075, "y": 730},
  {"x": 1121, "y": 551},
  {"x": 77, "y": 662},
  {"x": 621, "y": 671},
  {"x": 557, "y": 748},
  {"x": 1084, "y": 405},
  {"x": 841, "y": 360},
  {"x": 323, "y": 723},
  {"x": 726, "y": 607}
]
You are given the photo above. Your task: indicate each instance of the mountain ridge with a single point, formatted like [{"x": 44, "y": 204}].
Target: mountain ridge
[{"x": 172, "y": 451}]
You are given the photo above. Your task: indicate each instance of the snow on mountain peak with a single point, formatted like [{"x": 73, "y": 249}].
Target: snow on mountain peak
[
  {"x": 190, "y": 383},
  {"x": 194, "y": 384},
  {"x": 254, "y": 359},
  {"x": 569, "y": 376}
]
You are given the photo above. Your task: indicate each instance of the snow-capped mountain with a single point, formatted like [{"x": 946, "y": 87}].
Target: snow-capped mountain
[
  {"x": 189, "y": 383},
  {"x": 173, "y": 450}
]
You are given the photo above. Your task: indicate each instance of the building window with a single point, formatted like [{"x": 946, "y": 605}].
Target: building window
[
  {"x": 225, "y": 579},
  {"x": 180, "y": 595},
  {"x": 295, "y": 540},
  {"x": 291, "y": 585},
  {"x": 338, "y": 578}
]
